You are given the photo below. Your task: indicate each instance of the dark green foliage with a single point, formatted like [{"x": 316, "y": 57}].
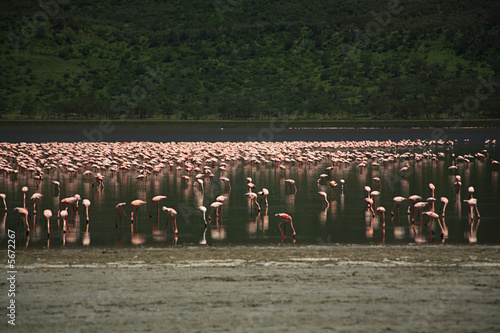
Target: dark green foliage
[{"x": 243, "y": 59}]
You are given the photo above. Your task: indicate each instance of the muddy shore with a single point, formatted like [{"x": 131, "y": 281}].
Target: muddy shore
[{"x": 257, "y": 289}]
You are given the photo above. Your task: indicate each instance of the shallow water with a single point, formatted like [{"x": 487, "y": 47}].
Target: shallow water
[{"x": 344, "y": 221}]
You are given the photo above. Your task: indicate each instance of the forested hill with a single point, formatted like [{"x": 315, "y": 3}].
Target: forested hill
[{"x": 250, "y": 59}]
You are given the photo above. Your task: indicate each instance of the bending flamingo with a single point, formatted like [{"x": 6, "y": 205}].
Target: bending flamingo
[
  {"x": 156, "y": 201},
  {"x": 119, "y": 209},
  {"x": 285, "y": 218},
  {"x": 172, "y": 213}
]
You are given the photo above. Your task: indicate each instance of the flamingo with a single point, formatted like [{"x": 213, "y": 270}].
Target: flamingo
[
  {"x": 214, "y": 206},
  {"x": 369, "y": 205},
  {"x": 70, "y": 201},
  {"x": 397, "y": 201},
  {"x": 472, "y": 202},
  {"x": 25, "y": 191},
  {"x": 203, "y": 210},
  {"x": 199, "y": 183},
  {"x": 444, "y": 200},
  {"x": 48, "y": 214},
  {"x": 404, "y": 170},
  {"x": 264, "y": 193},
  {"x": 289, "y": 183},
  {"x": 64, "y": 216},
  {"x": 342, "y": 183},
  {"x": 374, "y": 195},
  {"x": 378, "y": 182},
  {"x": 250, "y": 187},
  {"x": 253, "y": 199},
  {"x": 57, "y": 186},
  {"x": 368, "y": 191},
  {"x": 156, "y": 201},
  {"x": 3, "y": 196},
  {"x": 432, "y": 216},
  {"x": 226, "y": 181},
  {"x": 285, "y": 218},
  {"x": 86, "y": 203},
  {"x": 413, "y": 198},
  {"x": 417, "y": 208},
  {"x": 333, "y": 185},
  {"x": 172, "y": 213},
  {"x": 119, "y": 208},
  {"x": 324, "y": 199},
  {"x": 381, "y": 211},
  {"x": 135, "y": 206},
  {"x": 35, "y": 198},
  {"x": 432, "y": 188},
  {"x": 23, "y": 213}
]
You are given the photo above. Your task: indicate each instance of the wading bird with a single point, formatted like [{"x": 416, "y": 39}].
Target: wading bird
[
  {"x": 285, "y": 218},
  {"x": 172, "y": 213}
]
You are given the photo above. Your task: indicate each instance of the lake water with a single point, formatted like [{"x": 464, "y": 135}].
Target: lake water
[{"x": 345, "y": 221}]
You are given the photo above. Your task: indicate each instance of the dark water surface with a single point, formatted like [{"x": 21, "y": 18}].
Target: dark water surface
[
  {"x": 344, "y": 221},
  {"x": 273, "y": 133}
]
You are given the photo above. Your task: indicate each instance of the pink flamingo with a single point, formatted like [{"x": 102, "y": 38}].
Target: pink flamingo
[
  {"x": 64, "y": 215},
  {"x": 214, "y": 206},
  {"x": 172, "y": 213},
  {"x": 119, "y": 208},
  {"x": 48, "y": 214},
  {"x": 135, "y": 206},
  {"x": 264, "y": 193},
  {"x": 369, "y": 205},
  {"x": 413, "y": 198},
  {"x": 433, "y": 216},
  {"x": 250, "y": 187},
  {"x": 86, "y": 203},
  {"x": 23, "y": 213},
  {"x": 472, "y": 202},
  {"x": 417, "y": 208},
  {"x": 289, "y": 183},
  {"x": 397, "y": 201},
  {"x": 333, "y": 185},
  {"x": 70, "y": 201},
  {"x": 203, "y": 211},
  {"x": 444, "y": 200},
  {"x": 324, "y": 197},
  {"x": 25, "y": 191},
  {"x": 57, "y": 186},
  {"x": 156, "y": 201},
  {"x": 253, "y": 199},
  {"x": 432, "y": 188},
  {"x": 381, "y": 211},
  {"x": 3, "y": 196},
  {"x": 226, "y": 181},
  {"x": 285, "y": 218}
]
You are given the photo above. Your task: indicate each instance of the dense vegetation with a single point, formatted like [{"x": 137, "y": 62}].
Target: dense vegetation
[{"x": 249, "y": 59}]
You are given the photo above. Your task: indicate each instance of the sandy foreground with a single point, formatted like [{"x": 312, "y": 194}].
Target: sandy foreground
[{"x": 345, "y": 288}]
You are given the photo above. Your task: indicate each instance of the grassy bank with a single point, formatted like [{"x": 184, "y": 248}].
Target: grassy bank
[{"x": 258, "y": 124}]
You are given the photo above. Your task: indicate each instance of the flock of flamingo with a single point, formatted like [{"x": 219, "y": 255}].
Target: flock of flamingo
[{"x": 198, "y": 163}]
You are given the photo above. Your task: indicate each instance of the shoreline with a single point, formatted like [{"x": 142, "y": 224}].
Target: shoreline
[{"x": 154, "y": 255}]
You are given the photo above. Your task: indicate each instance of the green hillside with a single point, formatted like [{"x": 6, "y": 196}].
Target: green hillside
[{"x": 242, "y": 59}]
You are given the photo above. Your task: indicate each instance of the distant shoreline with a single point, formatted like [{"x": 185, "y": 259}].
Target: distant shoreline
[{"x": 276, "y": 123}]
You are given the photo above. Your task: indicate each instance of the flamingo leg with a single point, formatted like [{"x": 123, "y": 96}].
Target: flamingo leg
[
  {"x": 293, "y": 229},
  {"x": 174, "y": 222},
  {"x": 279, "y": 226},
  {"x": 477, "y": 212},
  {"x": 166, "y": 227}
]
